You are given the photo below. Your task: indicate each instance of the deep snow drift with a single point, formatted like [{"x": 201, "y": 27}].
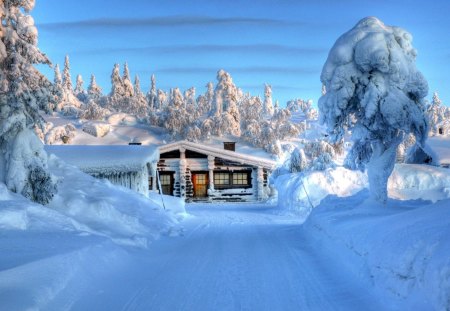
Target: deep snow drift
[
  {"x": 402, "y": 248},
  {"x": 83, "y": 234}
]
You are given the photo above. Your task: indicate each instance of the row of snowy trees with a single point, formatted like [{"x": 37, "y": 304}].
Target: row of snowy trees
[{"x": 222, "y": 110}]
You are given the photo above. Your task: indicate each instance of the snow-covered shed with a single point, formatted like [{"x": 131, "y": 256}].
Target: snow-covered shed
[
  {"x": 199, "y": 172},
  {"x": 130, "y": 166}
]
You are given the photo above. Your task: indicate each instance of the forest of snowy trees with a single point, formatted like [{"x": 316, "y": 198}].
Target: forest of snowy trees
[{"x": 223, "y": 109}]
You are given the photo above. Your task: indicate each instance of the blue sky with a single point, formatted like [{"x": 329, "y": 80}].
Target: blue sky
[{"x": 281, "y": 42}]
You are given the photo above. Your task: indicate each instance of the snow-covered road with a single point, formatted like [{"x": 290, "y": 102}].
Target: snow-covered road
[{"x": 228, "y": 257}]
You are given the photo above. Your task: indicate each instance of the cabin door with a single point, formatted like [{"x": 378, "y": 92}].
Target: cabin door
[
  {"x": 200, "y": 182},
  {"x": 166, "y": 180}
]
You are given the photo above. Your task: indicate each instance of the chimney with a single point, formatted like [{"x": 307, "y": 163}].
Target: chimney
[{"x": 229, "y": 145}]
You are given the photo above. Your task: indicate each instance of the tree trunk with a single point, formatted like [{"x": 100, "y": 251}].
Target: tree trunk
[{"x": 379, "y": 169}]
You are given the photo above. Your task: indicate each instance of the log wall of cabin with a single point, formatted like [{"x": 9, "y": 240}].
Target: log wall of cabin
[{"x": 183, "y": 167}]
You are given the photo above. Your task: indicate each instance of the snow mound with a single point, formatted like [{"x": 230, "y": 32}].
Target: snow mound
[
  {"x": 122, "y": 119},
  {"x": 403, "y": 248},
  {"x": 412, "y": 181},
  {"x": 123, "y": 215},
  {"x": 408, "y": 182},
  {"x": 92, "y": 206},
  {"x": 96, "y": 129},
  {"x": 298, "y": 191}
]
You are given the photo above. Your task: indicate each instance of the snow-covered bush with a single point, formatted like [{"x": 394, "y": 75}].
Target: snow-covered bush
[
  {"x": 298, "y": 161},
  {"x": 374, "y": 89},
  {"x": 96, "y": 129},
  {"x": 60, "y": 134},
  {"x": 94, "y": 111},
  {"x": 71, "y": 111},
  {"x": 23, "y": 91}
]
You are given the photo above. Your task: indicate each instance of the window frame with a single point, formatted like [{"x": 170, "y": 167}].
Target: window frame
[{"x": 231, "y": 180}]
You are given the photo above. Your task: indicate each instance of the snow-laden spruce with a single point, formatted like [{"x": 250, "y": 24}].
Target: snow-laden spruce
[
  {"x": 23, "y": 91},
  {"x": 374, "y": 90}
]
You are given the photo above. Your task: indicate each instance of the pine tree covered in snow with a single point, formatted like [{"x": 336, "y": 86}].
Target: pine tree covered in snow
[
  {"x": 374, "y": 90},
  {"x": 138, "y": 103},
  {"x": 79, "y": 90},
  {"x": 268, "y": 107},
  {"x": 435, "y": 114},
  {"x": 126, "y": 82},
  {"x": 67, "y": 80},
  {"x": 94, "y": 91},
  {"x": 23, "y": 91},
  {"x": 152, "y": 94},
  {"x": 225, "y": 104}
]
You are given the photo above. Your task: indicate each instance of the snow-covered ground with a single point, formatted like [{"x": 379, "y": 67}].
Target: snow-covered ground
[
  {"x": 349, "y": 255},
  {"x": 240, "y": 257}
]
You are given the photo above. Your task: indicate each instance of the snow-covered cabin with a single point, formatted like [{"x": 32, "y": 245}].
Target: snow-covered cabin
[
  {"x": 199, "y": 172},
  {"x": 130, "y": 166}
]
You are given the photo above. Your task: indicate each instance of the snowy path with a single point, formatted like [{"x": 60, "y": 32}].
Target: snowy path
[{"x": 229, "y": 258}]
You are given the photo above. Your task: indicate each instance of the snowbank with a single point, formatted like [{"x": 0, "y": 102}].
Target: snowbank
[
  {"x": 407, "y": 182},
  {"x": 50, "y": 253},
  {"x": 403, "y": 248},
  {"x": 91, "y": 206},
  {"x": 298, "y": 191},
  {"x": 116, "y": 212}
]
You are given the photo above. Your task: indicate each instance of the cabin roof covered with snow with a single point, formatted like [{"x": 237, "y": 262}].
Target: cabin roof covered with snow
[
  {"x": 219, "y": 153},
  {"x": 103, "y": 159}
]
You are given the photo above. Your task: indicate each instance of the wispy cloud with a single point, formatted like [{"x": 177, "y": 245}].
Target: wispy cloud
[
  {"x": 209, "y": 48},
  {"x": 239, "y": 70},
  {"x": 167, "y": 21}
]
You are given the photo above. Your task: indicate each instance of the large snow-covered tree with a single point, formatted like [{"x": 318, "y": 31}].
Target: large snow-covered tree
[
  {"x": 23, "y": 91},
  {"x": 374, "y": 89}
]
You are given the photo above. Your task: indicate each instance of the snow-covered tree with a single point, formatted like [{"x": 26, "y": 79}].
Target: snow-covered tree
[
  {"x": 79, "y": 91},
  {"x": 93, "y": 111},
  {"x": 138, "y": 103},
  {"x": 298, "y": 161},
  {"x": 67, "y": 80},
  {"x": 94, "y": 90},
  {"x": 374, "y": 90},
  {"x": 115, "y": 99},
  {"x": 268, "y": 107},
  {"x": 126, "y": 82},
  {"x": 58, "y": 92},
  {"x": 152, "y": 94},
  {"x": 161, "y": 99},
  {"x": 23, "y": 91},
  {"x": 435, "y": 114},
  {"x": 204, "y": 101},
  {"x": 58, "y": 78},
  {"x": 225, "y": 104}
]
